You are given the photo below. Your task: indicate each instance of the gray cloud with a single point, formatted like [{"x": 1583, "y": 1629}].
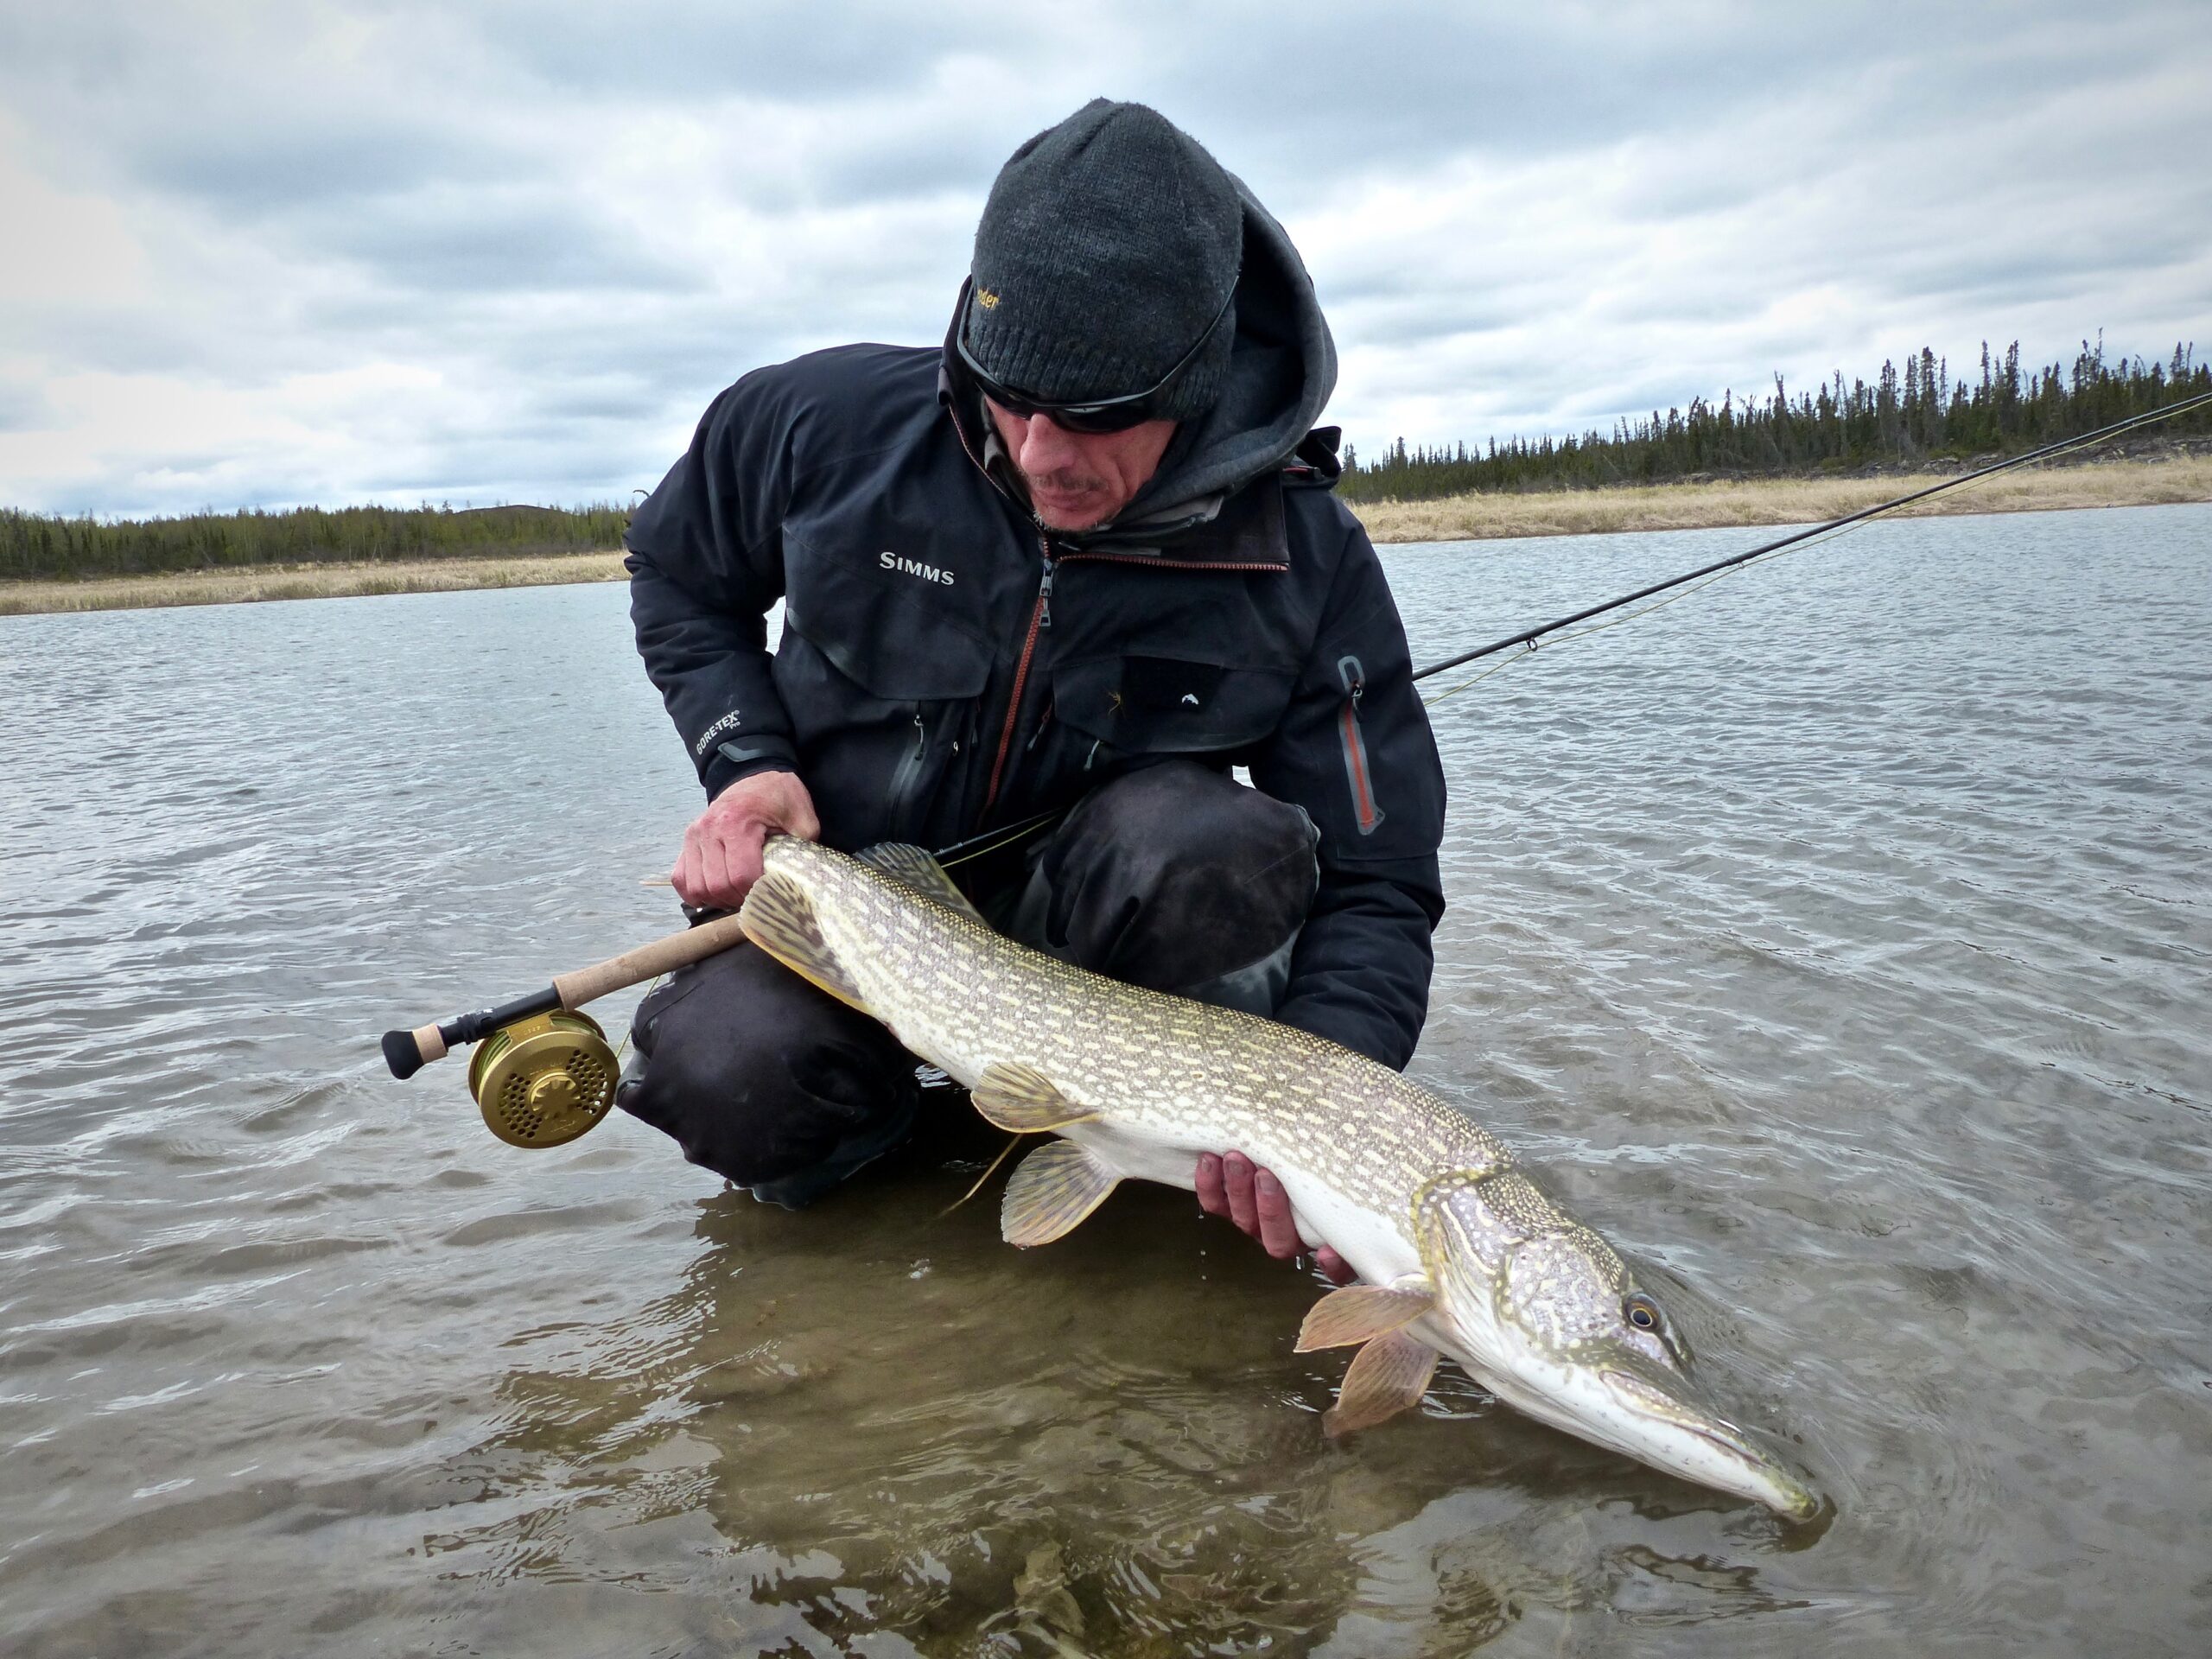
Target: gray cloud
[
  {"x": 23, "y": 408},
  {"x": 508, "y": 251}
]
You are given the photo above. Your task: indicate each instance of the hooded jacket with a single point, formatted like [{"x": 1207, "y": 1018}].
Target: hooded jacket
[{"x": 947, "y": 664}]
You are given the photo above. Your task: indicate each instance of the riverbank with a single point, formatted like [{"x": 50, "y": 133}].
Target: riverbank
[
  {"x": 1715, "y": 505},
  {"x": 1720, "y": 503},
  {"x": 233, "y": 587}
]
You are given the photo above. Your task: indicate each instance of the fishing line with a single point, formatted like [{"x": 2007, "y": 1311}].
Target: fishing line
[
  {"x": 991, "y": 840},
  {"x": 981, "y": 1179},
  {"x": 1833, "y": 527},
  {"x": 1569, "y": 638}
]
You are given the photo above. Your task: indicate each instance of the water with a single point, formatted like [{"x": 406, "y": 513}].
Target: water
[{"x": 1835, "y": 940}]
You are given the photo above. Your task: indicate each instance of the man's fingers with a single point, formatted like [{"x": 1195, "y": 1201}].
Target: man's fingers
[
  {"x": 1234, "y": 1186},
  {"x": 1277, "y": 1231},
  {"x": 742, "y": 853},
  {"x": 714, "y": 862},
  {"x": 685, "y": 877},
  {"x": 1243, "y": 1209},
  {"x": 1213, "y": 1197},
  {"x": 800, "y": 821}
]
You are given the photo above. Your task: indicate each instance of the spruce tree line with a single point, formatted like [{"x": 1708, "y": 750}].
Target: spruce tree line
[
  {"x": 1901, "y": 421},
  {"x": 33, "y": 545}
]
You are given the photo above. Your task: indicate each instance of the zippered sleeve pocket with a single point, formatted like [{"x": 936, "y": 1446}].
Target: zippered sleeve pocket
[{"x": 1365, "y": 813}]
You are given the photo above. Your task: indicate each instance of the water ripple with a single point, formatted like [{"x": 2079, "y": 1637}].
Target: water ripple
[{"x": 1836, "y": 943}]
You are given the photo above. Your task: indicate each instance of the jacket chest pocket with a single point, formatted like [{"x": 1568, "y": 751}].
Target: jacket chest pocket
[
  {"x": 882, "y": 689},
  {"x": 1140, "y": 705}
]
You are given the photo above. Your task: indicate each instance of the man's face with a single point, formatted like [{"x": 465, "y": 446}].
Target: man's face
[{"x": 1078, "y": 481}]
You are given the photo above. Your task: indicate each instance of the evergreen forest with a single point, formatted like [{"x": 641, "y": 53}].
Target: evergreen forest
[
  {"x": 1920, "y": 417},
  {"x": 1902, "y": 422},
  {"x": 35, "y": 545}
]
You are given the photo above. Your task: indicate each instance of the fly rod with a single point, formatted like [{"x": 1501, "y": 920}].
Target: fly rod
[{"x": 1530, "y": 636}]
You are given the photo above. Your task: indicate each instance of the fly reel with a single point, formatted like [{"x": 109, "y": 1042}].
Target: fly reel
[
  {"x": 544, "y": 1073},
  {"x": 543, "y": 1081}
]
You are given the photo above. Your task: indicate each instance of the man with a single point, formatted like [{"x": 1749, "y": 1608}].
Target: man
[{"x": 1084, "y": 557}]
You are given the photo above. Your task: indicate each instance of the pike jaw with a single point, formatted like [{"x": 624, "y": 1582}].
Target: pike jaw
[{"x": 1549, "y": 1317}]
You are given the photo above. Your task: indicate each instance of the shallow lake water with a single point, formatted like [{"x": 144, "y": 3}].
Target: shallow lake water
[{"x": 1837, "y": 941}]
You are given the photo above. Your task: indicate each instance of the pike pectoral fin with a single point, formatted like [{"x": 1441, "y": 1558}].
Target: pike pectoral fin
[
  {"x": 915, "y": 868},
  {"x": 1386, "y": 1377},
  {"x": 1022, "y": 1100},
  {"x": 1359, "y": 1313},
  {"x": 780, "y": 918},
  {"x": 1055, "y": 1188}
]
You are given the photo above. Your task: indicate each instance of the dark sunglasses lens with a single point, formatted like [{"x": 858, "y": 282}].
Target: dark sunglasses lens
[
  {"x": 1094, "y": 419},
  {"x": 1118, "y": 417}
]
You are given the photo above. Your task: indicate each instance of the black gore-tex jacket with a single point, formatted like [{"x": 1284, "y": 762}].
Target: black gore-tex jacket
[{"x": 947, "y": 665}]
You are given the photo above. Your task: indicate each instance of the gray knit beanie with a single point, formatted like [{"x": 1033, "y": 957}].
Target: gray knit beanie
[{"x": 1108, "y": 243}]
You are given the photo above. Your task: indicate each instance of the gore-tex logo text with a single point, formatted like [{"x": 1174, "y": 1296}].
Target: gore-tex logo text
[
  {"x": 915, "y": 568},
  {"x": 714, "y": 731}
]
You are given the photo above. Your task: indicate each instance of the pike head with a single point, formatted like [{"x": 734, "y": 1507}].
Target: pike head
[{"x": 1544, "y": 1313}]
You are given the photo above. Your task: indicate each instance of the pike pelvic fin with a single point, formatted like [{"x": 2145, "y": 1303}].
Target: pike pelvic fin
[
  {"x": 1389, "y": 1373},
  {"x": 1055, "y": 1188},
  {"x": 780, "y": 918},
  {"x": 912, "y": 868},
  {"x": 1360, "y": 1313},
  {"x": 1021, "y": 1100}
]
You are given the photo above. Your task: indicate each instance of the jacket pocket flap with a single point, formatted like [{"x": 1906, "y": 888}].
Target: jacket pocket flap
[
  {"x": 890, "y": 641},
  {"x": 1154, "y": 705}
]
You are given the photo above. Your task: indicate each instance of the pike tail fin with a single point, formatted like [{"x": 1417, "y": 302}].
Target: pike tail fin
[{"x": 780, "y": 918}]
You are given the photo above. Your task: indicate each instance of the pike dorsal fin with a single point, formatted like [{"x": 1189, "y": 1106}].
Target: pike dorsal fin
[
  {"x": 1022, "y": 1100},
  {"x": 911, "y": 867},
  {"x": 780, "y": 918},
  {"x": 1055, "y": 1188},
  {"x": 1361, "y": 1313},
  {"x": 1389, "y": 1373}
]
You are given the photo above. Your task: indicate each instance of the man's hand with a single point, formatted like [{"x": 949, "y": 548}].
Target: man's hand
[
  {"x": 1232, "y": 1186},
  {"x": 722, "y": 850}
]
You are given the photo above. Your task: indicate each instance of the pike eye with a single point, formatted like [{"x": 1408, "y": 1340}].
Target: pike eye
[{"x": 1644, "y": 1314}]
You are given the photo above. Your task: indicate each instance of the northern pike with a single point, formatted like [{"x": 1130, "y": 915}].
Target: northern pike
[{"x": 1460, "y": 1252}]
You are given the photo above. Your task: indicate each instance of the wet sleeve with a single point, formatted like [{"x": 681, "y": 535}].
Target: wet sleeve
[
  {"x": 1355, "y": 751},
  {"x": 706, "y": 566}
]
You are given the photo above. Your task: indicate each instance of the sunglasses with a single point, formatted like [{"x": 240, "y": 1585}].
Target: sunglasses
[{"x": 1094, "y": 415}]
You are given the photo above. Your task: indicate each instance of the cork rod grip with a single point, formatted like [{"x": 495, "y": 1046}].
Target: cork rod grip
[{"x": 648, "y": 960}]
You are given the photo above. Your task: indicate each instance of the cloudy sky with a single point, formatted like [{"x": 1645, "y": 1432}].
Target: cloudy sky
[{"x": 484, "y": 250}]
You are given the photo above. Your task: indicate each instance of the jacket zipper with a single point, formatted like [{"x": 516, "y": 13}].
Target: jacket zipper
[
  {"x": 1040, "y": 617},
  {"x": 908, "y": 776},
  {"x": 1166, "y": 564},
  {"x": 1365, "y": 813}
]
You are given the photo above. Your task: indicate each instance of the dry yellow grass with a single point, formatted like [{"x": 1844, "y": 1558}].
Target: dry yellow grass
[
  {"x": 1780, "y": 501},
  {"x": 1456, "y": 518},
  {"x": 303, "y": 582}
]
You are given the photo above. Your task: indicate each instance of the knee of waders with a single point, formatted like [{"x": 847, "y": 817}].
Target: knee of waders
[
  {"x": 1173, "y": 877},
  {"x": 763, "y": 1079}
]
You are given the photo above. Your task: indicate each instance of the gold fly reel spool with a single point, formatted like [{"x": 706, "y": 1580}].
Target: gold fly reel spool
[{"x": 545, "y": 1080}]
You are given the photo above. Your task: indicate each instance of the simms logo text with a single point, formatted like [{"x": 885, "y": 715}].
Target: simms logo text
[{"x": 915, "y": 568}]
